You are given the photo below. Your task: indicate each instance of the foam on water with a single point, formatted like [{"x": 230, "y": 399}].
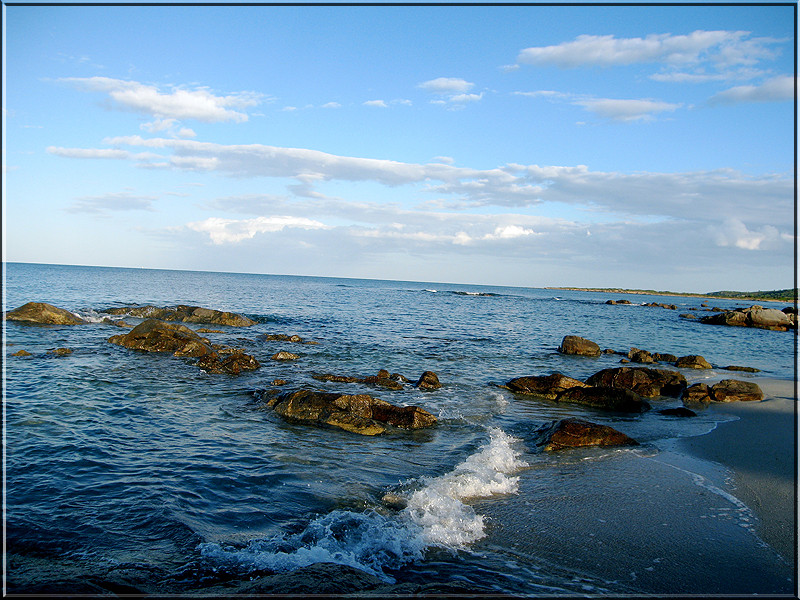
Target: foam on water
[{"x": 435, "y": 515}]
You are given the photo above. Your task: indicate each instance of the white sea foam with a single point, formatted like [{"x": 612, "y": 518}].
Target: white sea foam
[{"x": 435, "y": 515}]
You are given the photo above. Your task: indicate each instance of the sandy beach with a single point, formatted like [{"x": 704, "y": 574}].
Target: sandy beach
[{"x": 760, "y": 449}]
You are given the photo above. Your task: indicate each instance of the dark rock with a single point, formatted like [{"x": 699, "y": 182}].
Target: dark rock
[
  {"x": 382, "y": 379},
  {"x": 640, "y": 356},
  {"x": 205, "y": 330},
  {"x": 733, "y": 390},
  {"x": 576, "y": 345},
  {"x": 282, "y": 337},
  {"x": 670, "y": 358},
  {"x": 693, "y": 361},
  {"x": 119, "y": 323},
  {"x": 678, "y": 412},
  {"x": 428, "y": 381},
  {"x": 318, "y": 579},
  {"x": 689, "y": 315},
  {"x": 607, "y": 398},
  {"x": 790, "y": 310},
  {"x": 661, "y": 305},
  {"x": 699, "y": 393},
  {"x": 574, "y": 433},
  {"x": 156, "y": 336},
  {"x": 358, "y": 413},
  {"x": 283, "y": 355},
  {"x": 279, "y": 382},
  {"x": 400, "y": 378},
  {"x": 745, "y": 369},
  {"x": 618, "y": 302},
  {"x": 643, "y": 381},
  {"x": 232, "y": 364},
  {"x": 43, "y": 313},
  {"x": 545, "y": 386},
  {"x": 185, "y": 314}
]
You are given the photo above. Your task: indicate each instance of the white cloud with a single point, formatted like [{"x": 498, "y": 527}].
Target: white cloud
[
  {"x": 376, "y": 103},
  {"x": 226, "y": 231},
  {"x": 724, "y": 48},
  {"x": 111, "y": 202},
  {"x": 734, "y": 232},
  {"x": 446, "y": 85},
  {"x": 199, "y": 104},
  {"x": 462, "y": 98},
  {"x": 777, "y": 89},
  {"x": 88, "y": 152},
  {"x": 626, "y": 110},
  {"x": 331, "y": 105}
]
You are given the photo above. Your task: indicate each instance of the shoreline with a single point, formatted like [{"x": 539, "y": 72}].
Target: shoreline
[
  {"x": 760, "y": 450},
  {"x": 667, "y": 293}
]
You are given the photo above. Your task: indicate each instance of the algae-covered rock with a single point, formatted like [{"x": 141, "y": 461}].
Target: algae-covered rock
[
  {"x": 43, "y": 313},
  {"x": 575, "y": 433}
]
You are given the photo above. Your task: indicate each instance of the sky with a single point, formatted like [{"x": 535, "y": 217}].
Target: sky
[{"x": 638, "y": 146}]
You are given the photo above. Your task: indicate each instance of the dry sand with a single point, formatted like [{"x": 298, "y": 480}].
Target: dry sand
[{"x": 760, "y": 449}]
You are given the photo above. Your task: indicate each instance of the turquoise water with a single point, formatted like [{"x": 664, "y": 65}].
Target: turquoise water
[{"x": 116, "y": 458}]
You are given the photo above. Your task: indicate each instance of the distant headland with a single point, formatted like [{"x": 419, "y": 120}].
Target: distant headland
[{"x": 789, "y": 295}]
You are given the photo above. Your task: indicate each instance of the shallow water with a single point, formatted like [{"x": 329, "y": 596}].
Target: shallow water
[{"x": 123, "y": 459}]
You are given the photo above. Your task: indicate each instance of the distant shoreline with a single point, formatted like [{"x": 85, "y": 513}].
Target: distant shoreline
[{"x": 710, "y": 295}]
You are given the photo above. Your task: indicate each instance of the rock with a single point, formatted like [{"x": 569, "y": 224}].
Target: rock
[
  {"x": 574, "y": 433},
  {"x": 662, "y": 305},
  {"x": 233, "y": 364},
  {"x": 544, "y": 386},
  {"x": 399, "y": 377},
  {"x": 317, "y": 579},
  {"x": 755, "y": 316},
  {"x": 204, "y": 330},
  {"x": 61, "y": 351},
  {"x": 185, "y": 314},
  {"x": 693, "y": 361},
  {"x": 670, "y": 358},
  {"x": 283, "y": 355},
  {"x": 382, "y": 379},
  {"x": 573, "y": 344},
  {"x": 640, "y": 356},
  {"x": 22, "y": 353},
  {"x": 428, "y": 381},
  {"x": 358, "y": 413},
  {"x": 643, "y": 381},
  {"x": 699, "y": 393},
  {"x": 733, "y": 390},
  {"x": 678, "y": 412},
  {"x": 156, "y": 336},
  {"x": 688, "y": 315},
  {"x": 607, "y": 398},
  {"x": 618, "y": 302},
  {"x": 282, "y": 337},
  {"x": 746, "y": 369},
  {"x": 153, "y": 335},
  {"x": 119, "y": 323},
  {"x": 43, "y": 313}
]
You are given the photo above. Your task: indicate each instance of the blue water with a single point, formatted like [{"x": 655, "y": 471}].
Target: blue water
[{"x": 117, "y": 459}]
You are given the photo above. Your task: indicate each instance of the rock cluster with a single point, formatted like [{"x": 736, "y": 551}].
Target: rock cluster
[
  {"x": 184, "y": 314},
  {"x": 358, "y": 413},
  {"x": 727, "y": 390},
  {"x": 153, "y": 335},
  {"x": 755, "y": 316},
  {"x": 43, "y": 313}
]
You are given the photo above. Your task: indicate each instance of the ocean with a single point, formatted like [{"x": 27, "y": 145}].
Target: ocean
[{"x": 121, "y": 462}]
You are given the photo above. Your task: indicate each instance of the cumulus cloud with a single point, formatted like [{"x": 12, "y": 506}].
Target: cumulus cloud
[
  {"x": 224, "y": 231},
  {"x": 88, "y": 152},
  {"x": 376, "y": 103},
  {"x": 111, "y": 202},
  {"x": 777, "y": 89},
  {"x": 446, "y": 85},
  {"x": 722, "y": 47},
  {"x": 733, "y": 232},
  {"x": 178, "y": 103},
  {"x": 626, "y": 109}
]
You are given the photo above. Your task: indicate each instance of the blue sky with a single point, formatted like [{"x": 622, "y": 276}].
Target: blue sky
[{"x": 630, "y": 146}]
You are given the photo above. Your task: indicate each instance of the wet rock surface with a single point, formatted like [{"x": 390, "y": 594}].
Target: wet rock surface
[
  {"x": 575, "y": 433},
  {"x": 644, "y": 381},
  {"x": 43, "y": 314},
  {"x": 576, "y": 345},
  {"x": 184, "y": 314}
]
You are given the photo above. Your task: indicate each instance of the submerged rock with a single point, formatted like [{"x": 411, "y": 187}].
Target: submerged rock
[
  {"x": 382, "y": 379},
  {"x": 283, "y": 355},
  {"x": 544, "y": 386},
  {"x": 60, "y": 351},
  {"x": 22, "y": 353},
  {"x": 745, "y": 369},
  {"x": 359, "y": 413},
  {"x": 576, "y": 345},
  {"x": 679, "y": 411},
  {"x": 606, "y": 398},
  {"x": 575, "y": 433},
  {"x": 43, "y": 313},
  {"x": 184, "y": 314},
  {"x": 644, "y": 381}
]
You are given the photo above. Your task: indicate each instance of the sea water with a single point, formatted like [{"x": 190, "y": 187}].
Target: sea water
[{"x": 121, "y": 459}]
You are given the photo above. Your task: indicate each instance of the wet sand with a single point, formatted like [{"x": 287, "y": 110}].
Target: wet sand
[{"x": 760, "y": 449}]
